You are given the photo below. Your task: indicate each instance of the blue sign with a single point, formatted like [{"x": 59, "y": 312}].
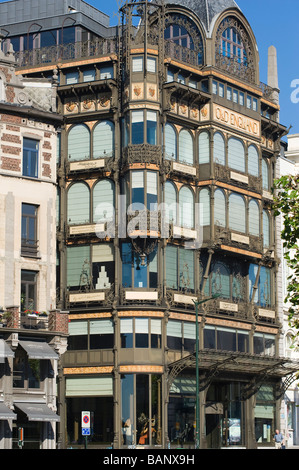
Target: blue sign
[{"x": 85, "y": 431}]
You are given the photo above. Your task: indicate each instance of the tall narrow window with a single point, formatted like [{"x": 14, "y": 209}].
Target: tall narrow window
[
  {"x": 237, "y": 213},
  {"x": 170, "y": 142},
  {"x": 29, "y": 230},
  {"x": 103, "y": 140},
  {"x": 103, "y": 201},
  {"x": 170, "y": 202},
  {"x": 204, "y": 208},
  {"x": 219, "y": 149},
  {"x": 204, "y": 147},
  {"x": 265, "y": 175},
  {"x": 79, "y": 143},
  {"x": 186, "y": 207},
  {"x": 185, "y": 147},
  {"x": 28, "y": 290},
  {"x": 236, "y": 155},
  {"x": 266, "y": 229},
  {"x": 78, "y": 267},
  {"x": 219, "y": 208},
  {"x": 144, "y": 127},
  {"x": 253, "y": 161},
  {"x": 30, "y": 157},
  {"x": 78, "y": 204},
  {"x": 254, "y": 218}
]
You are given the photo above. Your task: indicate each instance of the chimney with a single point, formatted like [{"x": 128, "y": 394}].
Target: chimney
[{"x": 273, "y": 73}]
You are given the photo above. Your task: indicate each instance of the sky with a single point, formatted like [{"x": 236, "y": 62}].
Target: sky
[{"x": 274, "y": 22}]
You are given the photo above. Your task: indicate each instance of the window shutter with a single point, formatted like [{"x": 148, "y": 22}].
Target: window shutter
[
  {"x": 78, "y": 328},
  {"x": 170, "y": 202},
  {"x": 102, "y": 253},
  {"x": 174, "y": 328},
  {"x": 101, "y": 327}
]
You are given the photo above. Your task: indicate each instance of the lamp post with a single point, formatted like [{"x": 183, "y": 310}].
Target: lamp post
[{"x": 197, "y": 303}]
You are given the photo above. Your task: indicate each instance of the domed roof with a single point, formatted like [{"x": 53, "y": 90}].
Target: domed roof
[{"x": 206, "y": 10}]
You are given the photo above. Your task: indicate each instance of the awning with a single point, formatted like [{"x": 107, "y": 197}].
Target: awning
[
  {"x": 37, "y": 412},
  {"x": 38, "y": 350},
  {"x": 5, "y": 350},
  {"x": 6, "y": 413}
]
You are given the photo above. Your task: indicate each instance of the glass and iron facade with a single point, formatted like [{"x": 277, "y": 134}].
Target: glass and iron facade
[{"x": 165, "y": 167}]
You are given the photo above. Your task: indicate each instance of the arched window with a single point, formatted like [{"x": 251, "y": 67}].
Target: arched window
[
  {"x": 266, "y": 229},
  {"x": 103, "y": 140},
  {"x": 219, "y": 149},
  {"x": 170, "y": 142},
  {"x": 219, "y": 208},
  {"x": 179, "y": 35},
  {"x": 254, "y": 218},
  {"x": 265, "y": 175},
  {"x": 204, "y": 208},
  {"x": 236, "y": 155},
  {"x": 232, "y": 46},
  {"x": 78, "y": 204},
  {"x": 186, "y": 207},
  {"x": 204, "y": 147},
  {"x": 237, "y": 213},
  {"x": 79, "y": 143},
  {"x": 103, "y": 201},
  {"x": 185, "y": 147},
  {"x": 170, "y": 203},
  {"x": 253, "y": 161}
]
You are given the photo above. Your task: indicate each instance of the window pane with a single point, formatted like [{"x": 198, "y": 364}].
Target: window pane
[
  {"x": 78, "y": 204},
  {"x": 137, "y": 187},
  {"x": 237, "y": 213},
  {"x": 170, "y": 203},
  {"x": 236, "y": 155},
  {"x": 78, "y": 266},
  {"x": 204, "y": 207},
  {"x": 126, "y": 265},
  {"x": 209, "y": 338},
  {"x": 151, "y": 128},
  {"x": 30, "y": 157},
  {"x": 253, "y": 161},
  {"x": 226, "y": 340},
  {"x": 186, "y": 274},
  {"x": 185, "y": 147},
  {"x": 219, "y": 209},
  {"x": 204, "y": 147},
  {"x": 137, "y": 64},
  {"x": 137, "y": 127},
  {"x": 103, "y": 140},
  {"x": 103, "y": 201},
  {"x": 170, "y": 142},
  {"x": 186, "y": 207},
  {"x": 266, "y": 229},
  {"x": 254, "y": 218},
  {"x": 220, "y": 280},
  {"x": 219, "y": 149},
  {"x": 171, "y": 267},
  {"x": 106, "y": 72},
  {"x": 79, "y": 143}
]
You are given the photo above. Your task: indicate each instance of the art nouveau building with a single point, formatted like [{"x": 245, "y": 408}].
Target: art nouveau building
[{"x": 167, "y": 154}]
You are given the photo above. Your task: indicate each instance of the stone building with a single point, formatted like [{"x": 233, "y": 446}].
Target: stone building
[
  {"x": 168, "y": 148},
  {"x": 32, "y": 336}
]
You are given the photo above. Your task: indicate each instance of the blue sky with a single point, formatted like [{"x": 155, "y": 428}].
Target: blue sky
[{"x": 274, "y": 22}]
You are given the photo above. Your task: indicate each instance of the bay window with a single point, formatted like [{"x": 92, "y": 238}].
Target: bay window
[{"x": 144, "y": 127}]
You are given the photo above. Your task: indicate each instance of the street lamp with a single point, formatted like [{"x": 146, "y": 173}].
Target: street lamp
[{"x": 197, "y": 303}]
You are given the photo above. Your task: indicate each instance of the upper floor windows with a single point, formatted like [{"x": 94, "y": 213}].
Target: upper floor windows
[
  {"x": 144, "y": 127},
  {"x": 90, "y": 205},
  {"x": 29, "y": 230},
  {"x": 84, "y": 144},
  {"x": 30, "y": 157}
]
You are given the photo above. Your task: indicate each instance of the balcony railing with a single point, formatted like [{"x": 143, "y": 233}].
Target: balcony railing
[{"x": 66, "y": 52}]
